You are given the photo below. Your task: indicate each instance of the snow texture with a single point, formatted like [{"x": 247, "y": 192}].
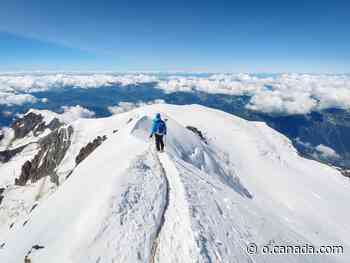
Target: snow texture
[{"x": 197, "y": 202}]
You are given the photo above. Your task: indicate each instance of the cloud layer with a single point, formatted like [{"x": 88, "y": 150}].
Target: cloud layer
[
  {"x": 127, "y": 106},
  {"x": 72, "y": 113},
  {"x": 275, "y": 94},
  {"x": 326, "y": 151},
  {"x": 11, "y": 99},
  {"x": 278, "y": 94},
  {"x": 320, "y": 151}
]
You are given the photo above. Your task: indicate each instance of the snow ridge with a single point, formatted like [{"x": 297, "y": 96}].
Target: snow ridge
[
  {"x": 176, "y": 240},
  {"x": 155, "y": 244},
  {"x": 197, "y": 202}
]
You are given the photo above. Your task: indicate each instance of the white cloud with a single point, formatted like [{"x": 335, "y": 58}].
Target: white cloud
[
  {"x": 16, "y": 89},
  {"x": 305, "y": 144},
  {"x": 72, "y": 113},
  {"x": 326, "y": 151},
  {"x": 282, "y": 102},
  {"x": 320, "y": 151},
  {"x": 44, "y": 82},
  {"x": 11, "y": 99},
  {"x": 122, "y": 107},
  {"x": 127, "y": 106},
  {"x": 224, "y": 84},
  {"x": 6, "y": 113},
  {"x": 280, "y": 94}
]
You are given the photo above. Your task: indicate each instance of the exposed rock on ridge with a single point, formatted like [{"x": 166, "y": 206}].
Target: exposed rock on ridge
[
  {"x": 89, "y": 148},
  {"x": 6, "y": 155},
  {"x": 53, "y": 148},
  {"x": 197, "y": 132},
  {"x": 33, "y": 122}
]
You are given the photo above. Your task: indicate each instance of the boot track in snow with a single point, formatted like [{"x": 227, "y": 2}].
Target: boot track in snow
[
  {"x": 162, "y": 220},
  {"x": 174, "y": 240}
]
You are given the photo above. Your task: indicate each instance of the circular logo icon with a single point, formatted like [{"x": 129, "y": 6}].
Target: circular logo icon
[{"x": 252, "y": 248}]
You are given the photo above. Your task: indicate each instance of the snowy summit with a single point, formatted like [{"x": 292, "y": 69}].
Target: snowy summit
[{"x": 96, "y": 191}]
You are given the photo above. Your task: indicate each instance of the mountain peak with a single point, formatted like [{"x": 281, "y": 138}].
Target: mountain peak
[{"x": 221, "y": 184}]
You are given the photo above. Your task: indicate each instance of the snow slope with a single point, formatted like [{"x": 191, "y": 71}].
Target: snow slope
[{"x": 197, "y": 202}]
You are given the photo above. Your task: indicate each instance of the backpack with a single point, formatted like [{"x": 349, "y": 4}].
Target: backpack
[{"x": 161, "y": 129}]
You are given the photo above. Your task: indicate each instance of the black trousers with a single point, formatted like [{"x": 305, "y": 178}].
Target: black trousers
[{"x": 159, "y": 142}]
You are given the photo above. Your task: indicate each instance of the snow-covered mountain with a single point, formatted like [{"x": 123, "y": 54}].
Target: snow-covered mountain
[{"x": 95, "y": 190}]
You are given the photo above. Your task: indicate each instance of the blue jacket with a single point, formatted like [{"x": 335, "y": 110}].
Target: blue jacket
[{"x": 156, "y": 124}]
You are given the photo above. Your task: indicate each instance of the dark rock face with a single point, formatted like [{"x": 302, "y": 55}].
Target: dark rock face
[
  {"x": 25, "y": 174},
  {"x": 346, "y": 173},
  {"x": 26, "y": 124},
  {"x": 30, "y": 122},
  {"x": 1, "y": 196},
  {"x": 33, "y": 207},
  {"x": 53, "y": 125},
  {"x": 53, "y": 148},
  {"x": 35, "y": 247},
  {"x": 2, "y": 135},
  {"x": 6, "y": 155},
  {"x": 89, "y": 148},
  {"x": 198, "y": 132},
  {"x": 33, "y": 122}
]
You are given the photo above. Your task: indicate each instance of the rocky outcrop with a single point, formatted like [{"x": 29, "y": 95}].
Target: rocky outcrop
[
  {"x": 53, "y": 125},
  {"x": 346, "y": 173},
  {"x": 53, "y": 148},
  {"x": 35, "y": 247},
  {"x": 26, "y": 124},
  {"x": 6, "y": 155},
  {"x": 2, "y": 135},
  {"x": 198, "y": 132},
  {"x": 25, "y": 174},
  {"x": 89, "y": 148},
  {"x": 1, "y": 196},
  {"x": 33, "y": 122}
]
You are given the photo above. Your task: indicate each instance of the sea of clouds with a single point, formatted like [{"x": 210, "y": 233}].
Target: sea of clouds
[
  {"x": 124, "y": 106},
  {"x": 285, "y": 94}
]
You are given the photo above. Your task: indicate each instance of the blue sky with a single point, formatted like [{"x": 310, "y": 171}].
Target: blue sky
[{"x": 252, "y": 36}]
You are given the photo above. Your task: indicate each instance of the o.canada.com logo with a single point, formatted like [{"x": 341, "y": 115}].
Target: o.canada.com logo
[{"x": 305, "y": 249}]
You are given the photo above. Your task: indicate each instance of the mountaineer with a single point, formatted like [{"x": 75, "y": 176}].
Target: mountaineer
[{"x": 159, "y": 130}]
